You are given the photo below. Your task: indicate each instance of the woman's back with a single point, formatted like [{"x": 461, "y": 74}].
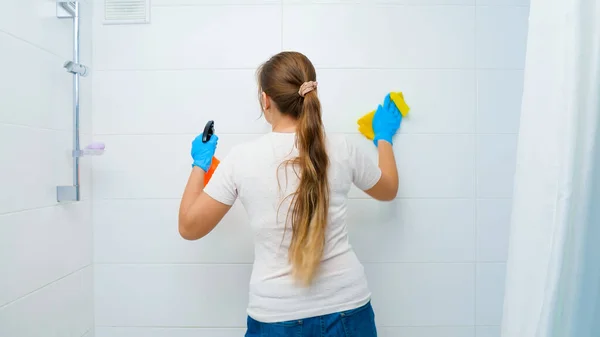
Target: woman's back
[{"x": 256, "y": 173}]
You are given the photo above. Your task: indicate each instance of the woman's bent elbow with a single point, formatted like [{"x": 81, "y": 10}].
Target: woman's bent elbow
[
  {"x": 186, "y": 232},
  {"x": 391, "y": 196}
]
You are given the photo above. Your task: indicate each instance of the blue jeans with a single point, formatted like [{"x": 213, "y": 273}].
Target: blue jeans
[{"x": 358, "y": 322}]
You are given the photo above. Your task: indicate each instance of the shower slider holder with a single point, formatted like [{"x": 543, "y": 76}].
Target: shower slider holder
[{"x": 93, "y": 149}]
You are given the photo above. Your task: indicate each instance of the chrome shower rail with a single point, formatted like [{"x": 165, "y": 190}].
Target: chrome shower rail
[{"x": 70, "y": 9}]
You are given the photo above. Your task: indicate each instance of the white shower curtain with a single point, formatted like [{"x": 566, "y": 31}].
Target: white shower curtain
[{"x": 553, "y": 270}]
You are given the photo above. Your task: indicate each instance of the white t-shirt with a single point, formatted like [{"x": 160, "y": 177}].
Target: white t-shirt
[{"x": 253, "y": 173}]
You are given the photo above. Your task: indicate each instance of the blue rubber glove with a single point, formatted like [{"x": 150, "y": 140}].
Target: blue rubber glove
[
  {"x": 386, "y": 121},
  {"x": 202, "y": 153}
]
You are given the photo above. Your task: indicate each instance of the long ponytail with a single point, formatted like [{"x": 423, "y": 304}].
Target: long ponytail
[
  {"x": 310, "y": 204},
  {"x": 280, "y": 78}
]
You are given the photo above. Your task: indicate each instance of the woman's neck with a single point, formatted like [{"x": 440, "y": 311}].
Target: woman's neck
[{"x": 284, "y": 125}]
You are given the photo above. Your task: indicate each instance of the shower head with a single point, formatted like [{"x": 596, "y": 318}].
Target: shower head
[{"x": 76, "y": 68}]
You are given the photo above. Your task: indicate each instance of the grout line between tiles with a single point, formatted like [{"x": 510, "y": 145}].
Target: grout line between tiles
[
  {"x": 33, "y": 45},
  {"x": 23, "y": 210},
  {"x": 476, "y": 177},
  {"x": 39, "y": 128},
  {"x": 26, "y": 210},
  {"x": 44, "y": 286}
]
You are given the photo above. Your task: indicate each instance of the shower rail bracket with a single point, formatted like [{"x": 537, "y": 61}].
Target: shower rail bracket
[
  {"x": 67, "y": 193},
  {"x": 65, "y": 9}
]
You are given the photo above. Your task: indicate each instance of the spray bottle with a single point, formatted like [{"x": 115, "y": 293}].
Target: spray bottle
[{"x": 209, "y": 130}]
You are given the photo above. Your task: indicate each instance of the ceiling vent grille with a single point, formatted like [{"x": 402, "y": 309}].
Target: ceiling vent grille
[{"x": 126, "y": 11}]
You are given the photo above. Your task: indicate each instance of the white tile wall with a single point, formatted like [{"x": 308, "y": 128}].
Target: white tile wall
[
  {"x": 499, "y": 100},
  {"x": 45, "y": 244},
  {"x": 493, "y": 224},
  {"x": 503, "y": 2},
  {"x": 434, "y": 257},
  {"x": 427, "y": 332},
  {"x": 487, "y": 331},
  {"x": 176, "y": 101},
  {"x": 169, "y": 332},
  {"x": 419, "y": 233},
  {"x": 45, "y": 248},
  {"x": 131, "y": 164},
  {"x": 46, "y": 98},
  {"x": 381, "y": 36},
  {"x": 427, "y": 294},
  {"x": 62, "y": 308},
  {"x": 501, "y": 36},
  {"x": 427, "y": 161},
  {"x": 34, "y": 22},
  {"x": 191, "y": 37},
  {"x": 496, "y": 163},
  {"x": 453, "y": 110},
  {"x": 118, "y": 224},
  {"x": 490, "y": 293},
  {"x": 201, "y": 295}
]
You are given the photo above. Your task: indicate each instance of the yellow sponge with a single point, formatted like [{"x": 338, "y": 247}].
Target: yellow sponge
[{"x": 365, "y": 123}]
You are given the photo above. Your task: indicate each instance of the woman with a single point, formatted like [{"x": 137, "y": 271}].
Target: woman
[{"x": 294, "y": 184}]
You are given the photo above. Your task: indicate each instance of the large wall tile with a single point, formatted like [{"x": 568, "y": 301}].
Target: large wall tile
[
  {"x": 191, "y": 37},
  {"x": 490, "y": 293},
  {"x": 381, "y": 36},
  {"x": 493, "y": 226},
  {"x": 499, "y": 100},
  {"x": 118, "y": 225},
  {"x": 412, "y": 230},
  {"x": 63, "y": 308},
  {"x": 181, "y": 295},
  {"x": 140, "y": 102},
  {"x": 501, "y": 37},
  {"x": 441, "y": 101},
  {"x": 34, "y": 161},
  {"x": 45, "y": 102},
  {"x": 45, "y": 244},
  {"x": 422, "y": 294},
  {"x": 430, "y": 166},
  {"x": 496, "y": 165},
  {"x": 35, "y": 22}
]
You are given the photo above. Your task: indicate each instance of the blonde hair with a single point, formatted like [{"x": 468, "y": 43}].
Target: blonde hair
[{"x": 281, "y": 78}]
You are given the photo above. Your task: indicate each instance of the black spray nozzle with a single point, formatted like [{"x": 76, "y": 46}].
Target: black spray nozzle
[{"x": 209, "y": 130}]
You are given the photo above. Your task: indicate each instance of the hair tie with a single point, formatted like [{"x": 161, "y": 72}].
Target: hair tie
[{"x": 307, "y": 87}]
